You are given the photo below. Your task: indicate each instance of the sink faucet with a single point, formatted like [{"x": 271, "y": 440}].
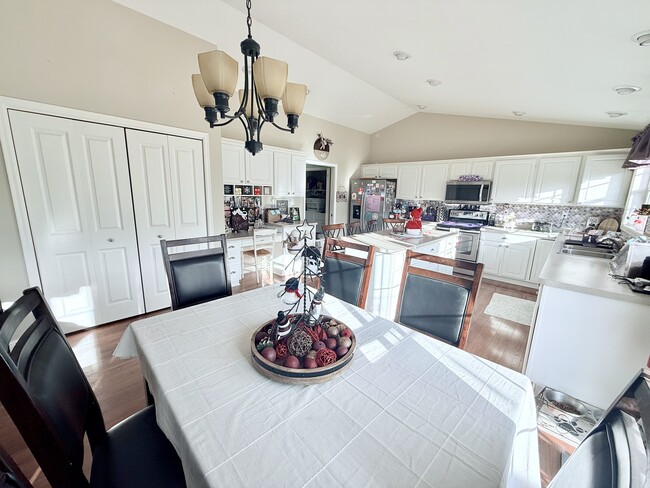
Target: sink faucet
[{"x": 616, "y": 242}]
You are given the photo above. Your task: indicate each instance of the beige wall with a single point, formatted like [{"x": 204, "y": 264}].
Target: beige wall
[
  {"x": 98, "y": 56},
  {"x": 426, "y": 137}
]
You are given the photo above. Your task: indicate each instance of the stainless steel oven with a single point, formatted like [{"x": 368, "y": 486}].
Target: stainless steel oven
[
  {"x": 467, "y": 247},
  {"x": 468, "y": 223}
]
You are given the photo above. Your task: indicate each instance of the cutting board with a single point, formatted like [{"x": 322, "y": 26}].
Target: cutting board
[{"x": 609, "y": 225}]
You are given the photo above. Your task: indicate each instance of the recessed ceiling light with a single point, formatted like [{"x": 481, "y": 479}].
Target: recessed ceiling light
[
  {"x": 626, "y": 89},
  {"x": 434, "y": 82},
  {"x": 616, "y": 114},
  {"x": 518, "y": 114},
  {"x": 422, "y": 107},
  {"x": 401, "y": 55},
  {"x": 642, "y": 38}
]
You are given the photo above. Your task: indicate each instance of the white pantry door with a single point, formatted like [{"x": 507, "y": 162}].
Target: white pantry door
[
  {"x": 169, "y": 202},
  {"x": 75, "y": 180}
]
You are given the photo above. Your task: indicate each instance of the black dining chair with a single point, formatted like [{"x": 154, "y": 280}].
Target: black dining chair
[
  {"x": 49, "y": 398},
  {"x": 347, "y": 269},
  {"x": 616, "y": 452},
  {"x": 198, "y": 275},
  {"x": 437, "y": 296},
  {"x": 10, "y": 474}
]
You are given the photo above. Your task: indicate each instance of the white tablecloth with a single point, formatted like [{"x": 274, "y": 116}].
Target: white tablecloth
[{"x": 409, "y": 412}]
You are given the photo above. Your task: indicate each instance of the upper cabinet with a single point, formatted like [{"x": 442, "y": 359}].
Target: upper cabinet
[
  {"x": 242, "y": 168},
  {"x": 513, "y": 180},
  {"x": 484, "y": 168},
  {"x": 556, "y": 180},
  {"x": 433, "y": 182},
  {"x": 603, "y": 182},
  {"x": 408, "y": 181},
  {"x": 290, "y": 173},
  {"x": 379, "y": 171}
]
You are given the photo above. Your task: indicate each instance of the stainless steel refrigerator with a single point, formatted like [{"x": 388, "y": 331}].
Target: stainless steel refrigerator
[{"x": 371, "y": 199}]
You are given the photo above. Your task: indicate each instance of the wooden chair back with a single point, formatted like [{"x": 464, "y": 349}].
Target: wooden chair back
[
  {"x": 393, "y": 223},
  {"x": 353, "y": 228},
  {"x": 198, "y": 275},
  {"x": 263, "y": 251},
  {"x": 334, "y": 231},
  {"x": 437, "y": 296},
  {"x": 371, "y": 226},
  {"x": 347, "y": 269}
]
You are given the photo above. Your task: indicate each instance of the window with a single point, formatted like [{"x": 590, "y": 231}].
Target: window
[{"x": 639, "y": 194}]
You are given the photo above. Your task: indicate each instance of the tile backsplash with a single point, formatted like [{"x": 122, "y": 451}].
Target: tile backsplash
[{"x": 576, "y": 217}]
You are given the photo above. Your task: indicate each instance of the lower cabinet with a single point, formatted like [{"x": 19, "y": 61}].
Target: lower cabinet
[
  {"x": 506, "y": 255},
  {"x": 543, "y": 248},
  {"x": 234, "y": 263}
]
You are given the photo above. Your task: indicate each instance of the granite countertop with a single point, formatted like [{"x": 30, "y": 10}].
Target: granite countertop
[
  {"x": 586, "y": 275},
  {"x": 387, "y": 242}
]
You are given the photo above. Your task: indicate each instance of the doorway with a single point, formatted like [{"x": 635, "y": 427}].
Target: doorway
[{"x": 318, "y": 186}]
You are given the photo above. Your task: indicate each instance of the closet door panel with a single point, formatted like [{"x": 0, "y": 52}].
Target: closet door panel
[
  {"x": 113, "y": 236},
  {"x": 188, "y": 187},
  {"x": 154, "y": 214}
]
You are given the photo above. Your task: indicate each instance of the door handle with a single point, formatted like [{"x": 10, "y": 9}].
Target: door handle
[
  {"x": 110, "y": 239},
  {"x": 160, "y": 236}
]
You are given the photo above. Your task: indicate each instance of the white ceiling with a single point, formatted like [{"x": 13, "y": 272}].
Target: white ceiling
[{"x": 556, "y": 60}]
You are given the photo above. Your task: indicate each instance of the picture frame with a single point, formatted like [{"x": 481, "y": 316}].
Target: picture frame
[
  {"x": 247, "y": 190},
  {"x": 295, "y": 214},
  {"x": 283, "y": 206},
  {"x": 228, "y": 189},
  {"x": 257, "y": 190},
  {"x": 238, "y": 190},
  {"x": 267, "y": 190}
]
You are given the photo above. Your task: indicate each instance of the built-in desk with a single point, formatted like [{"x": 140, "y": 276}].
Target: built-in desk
[{"x": 237, "y": 242}]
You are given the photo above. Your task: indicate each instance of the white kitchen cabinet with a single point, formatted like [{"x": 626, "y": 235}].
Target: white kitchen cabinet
[
  {"x": 481, "y": 168},
  {"x": 408, "y": 181},
  {"x": 242, "y": 168},
  {"x": 556, "y": 179},
  {"x": 513, "y": 180},
  {"x": 543, "y": 248},
  {"x": 289, "y": 174},
  {"x": 506, "y": 255},
  {"x": 603, "y": 182},
  {"x": 422, "y": 181},
  {"x": 379, "y": 171},
  {"x": 234, "y": 263},
  {"x": 433, "y": 181}
]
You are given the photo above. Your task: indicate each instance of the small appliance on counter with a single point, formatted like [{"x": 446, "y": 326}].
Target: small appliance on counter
[{"x": 633, "y": 260}]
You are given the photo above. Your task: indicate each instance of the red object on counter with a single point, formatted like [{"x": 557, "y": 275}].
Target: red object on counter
[{"x": 415, "y": 222}]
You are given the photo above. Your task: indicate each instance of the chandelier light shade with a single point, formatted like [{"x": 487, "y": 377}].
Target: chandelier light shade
[
  {"x": 640, "y": 152},
  {"x": 265, "y": 84}
]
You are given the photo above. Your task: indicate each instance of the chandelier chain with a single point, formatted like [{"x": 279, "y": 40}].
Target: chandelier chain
[{"x": 249, "y": 20}]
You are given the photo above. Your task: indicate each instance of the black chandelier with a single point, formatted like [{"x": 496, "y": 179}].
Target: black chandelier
[{"x": 265, "y": 84}]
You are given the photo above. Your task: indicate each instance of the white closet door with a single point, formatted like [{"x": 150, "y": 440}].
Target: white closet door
[
  {"x": 76, "y": 186},
  {"x": 169, "y": 202},
  {"x": 154, "y": 214},
  {"x": 188, "y": 187}
]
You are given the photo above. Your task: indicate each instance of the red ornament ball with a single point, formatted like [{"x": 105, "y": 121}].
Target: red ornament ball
[
  {"x": 325, "y": 357},
  {"x": 341, "y": 351},
  {"x": 260, "y": 335},
  {"x": 318, "y": 345},
  {"x": 330, "y": 343},
  {"x": 281, "y": 350},
  {"x": 310, "y": 363},
  {"x": 346, "y": 333},
  {"x": 269, "y": 354},
  {"x": 292, "y": 362}
]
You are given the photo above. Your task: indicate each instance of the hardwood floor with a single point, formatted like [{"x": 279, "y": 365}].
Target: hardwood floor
[{"x": 119, "y": 386}]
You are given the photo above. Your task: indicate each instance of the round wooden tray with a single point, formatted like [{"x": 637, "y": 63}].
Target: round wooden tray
[{"x": 299, "y": 376}]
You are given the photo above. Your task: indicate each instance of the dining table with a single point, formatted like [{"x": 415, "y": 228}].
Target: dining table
[{"x": 409, "y": 411}]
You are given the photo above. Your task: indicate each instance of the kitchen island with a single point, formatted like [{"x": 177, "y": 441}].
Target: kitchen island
[
  {"x": 591, "y": 334},
  {"x": 390, "y": 255}
]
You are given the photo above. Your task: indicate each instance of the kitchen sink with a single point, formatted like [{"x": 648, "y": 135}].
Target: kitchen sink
[{"x": 591, "y": 252}]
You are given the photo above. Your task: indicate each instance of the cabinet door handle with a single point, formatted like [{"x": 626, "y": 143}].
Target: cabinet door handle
[
  {"x": 504, "y": 237},
  {"x": 233, "y": 272},
  {"x": 231, "y": 257},
  {"x": 110, "y": 239},
  {"x": 160, "y": 236}
]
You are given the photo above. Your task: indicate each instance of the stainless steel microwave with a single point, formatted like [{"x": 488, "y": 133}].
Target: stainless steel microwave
[{"x": 469, "y": 192}]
